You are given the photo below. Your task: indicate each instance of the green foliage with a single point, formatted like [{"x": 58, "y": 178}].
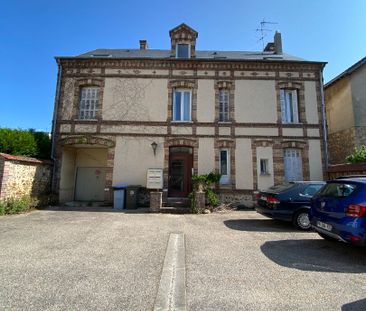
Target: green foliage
[
  {"x": 25, "y": 143},
  {"x": 358, "y": 155},
  {"x": 16, "y": 206},
  {"x": 212, "y": 198},
  {"x": 204, "y": 183}
]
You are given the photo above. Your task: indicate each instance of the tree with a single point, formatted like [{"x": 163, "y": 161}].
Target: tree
[{"x": 25, "y": 142}]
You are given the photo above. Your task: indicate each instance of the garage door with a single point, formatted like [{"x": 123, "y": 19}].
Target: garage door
[{"x": 90, "y": 184}]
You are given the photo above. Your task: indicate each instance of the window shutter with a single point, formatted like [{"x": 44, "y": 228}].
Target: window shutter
[{"x": 295, "y": 106}]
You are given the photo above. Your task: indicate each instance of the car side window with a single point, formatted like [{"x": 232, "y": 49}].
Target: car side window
[
  {"x": 338, "y": 190},
  {"x": 310, "y": 190}
]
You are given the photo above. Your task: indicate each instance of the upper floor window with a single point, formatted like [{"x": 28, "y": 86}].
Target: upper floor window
[
  {"x": 289, "y": 106},
  {"x": 89, "y": 102},
  {"x": 183, "y": 51},
  {"x": 224, "y": 106},
  {"x": 182, "y": 105}
]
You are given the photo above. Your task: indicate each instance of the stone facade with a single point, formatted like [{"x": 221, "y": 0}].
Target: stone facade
[
  {"x": 136, "y": 110},
  {"x": 22, "y": 176}
]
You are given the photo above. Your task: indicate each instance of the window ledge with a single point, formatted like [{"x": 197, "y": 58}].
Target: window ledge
[
  {"x": 265, "y": 174},
  {"x": 88, "y": 120},
  {"x": 180, "y": 122}
]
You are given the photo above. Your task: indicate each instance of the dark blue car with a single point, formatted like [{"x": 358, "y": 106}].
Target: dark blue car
[
  {"x": 289, "y": 202},
  {"x": 338, "y": 211}
]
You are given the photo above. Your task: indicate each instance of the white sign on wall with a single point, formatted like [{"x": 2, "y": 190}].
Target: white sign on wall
[{"x": 154, "y": 178}]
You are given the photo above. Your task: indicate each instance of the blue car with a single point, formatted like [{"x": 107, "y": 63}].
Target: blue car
[
  {"x": 289, "y": 202},
  {"x": 338, "y": 211}
]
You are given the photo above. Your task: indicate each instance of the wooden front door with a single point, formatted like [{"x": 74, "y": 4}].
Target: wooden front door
[{"x": 180, "y": 174}]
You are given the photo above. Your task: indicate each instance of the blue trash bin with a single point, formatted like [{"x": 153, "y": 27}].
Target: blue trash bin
[{"x": 119, "y": 196}]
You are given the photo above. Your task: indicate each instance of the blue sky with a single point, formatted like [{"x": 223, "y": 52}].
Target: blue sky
[{"x": 33, "y": 32}]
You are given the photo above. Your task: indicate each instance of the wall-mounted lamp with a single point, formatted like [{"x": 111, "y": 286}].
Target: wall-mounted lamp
[{"x": 154, "y": 145}]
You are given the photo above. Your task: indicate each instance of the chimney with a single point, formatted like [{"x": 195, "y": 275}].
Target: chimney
[
  {"x": 143, "y": 45},
  {"x": 277, "y": 43}
]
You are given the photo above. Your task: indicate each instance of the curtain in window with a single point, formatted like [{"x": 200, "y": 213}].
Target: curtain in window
[{"x": 289, "y": 106}]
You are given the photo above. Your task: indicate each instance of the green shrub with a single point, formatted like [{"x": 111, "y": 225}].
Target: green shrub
[
  {"x": 358, "y": 155},
  {"x": 16, "y": 206},
  {"x": 204, "y": 183}
]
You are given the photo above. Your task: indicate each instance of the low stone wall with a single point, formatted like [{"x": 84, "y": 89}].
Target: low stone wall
[
  {"x": 23, "y": 176},
  {"x": 335, "y": 171}
]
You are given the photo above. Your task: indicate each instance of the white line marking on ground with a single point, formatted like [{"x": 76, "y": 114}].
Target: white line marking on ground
[{"x": 172, "y": 289}]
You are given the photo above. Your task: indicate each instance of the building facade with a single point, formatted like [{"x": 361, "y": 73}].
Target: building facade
[
  {"x": 345, "y": 98},
  {"x": 254, "y": 117}
]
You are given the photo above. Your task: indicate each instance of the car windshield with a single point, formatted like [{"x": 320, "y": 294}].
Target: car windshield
[
  {"x": 337, "y": 190},
  {"x": 280, "y": 188}
]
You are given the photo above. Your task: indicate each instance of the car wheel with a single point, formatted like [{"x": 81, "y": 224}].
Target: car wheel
[
  {"x": 302, "y": 221},
  {"x": 327, "y": 237}
]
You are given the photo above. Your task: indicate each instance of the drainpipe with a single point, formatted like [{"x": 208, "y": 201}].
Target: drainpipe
[
  {"x": 325, "y": 135},
  {"x": 54, "y": 120}
]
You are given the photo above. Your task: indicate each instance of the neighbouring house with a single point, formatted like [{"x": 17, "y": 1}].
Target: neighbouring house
[
  {"x": 345, "y": 98},
  {"x": 255, "y": 117}
]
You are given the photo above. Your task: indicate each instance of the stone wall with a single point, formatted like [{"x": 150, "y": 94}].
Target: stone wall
[
  {"x": 340, "y": 145},
  {"x": 22, "y": 176}
]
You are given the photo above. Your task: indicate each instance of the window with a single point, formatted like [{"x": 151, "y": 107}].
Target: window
[
  {"x": 223, "y": 106},
  {"x": 337, "y": 190},
  {"x": 310, "y": 190},
  {"x": 183, "y": 51},
  {"x": 289, "y": 106},
  {"x": 224, "y": 166},
  {"x": 182, "y": 105},
  {"x": 293, "y": 164},
  {"x": 264, "y": 167},
  {"x": 89, "y": 99}
]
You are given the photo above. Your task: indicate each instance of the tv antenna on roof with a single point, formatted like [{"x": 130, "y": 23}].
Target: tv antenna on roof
[{"x": 263, "y": 30}]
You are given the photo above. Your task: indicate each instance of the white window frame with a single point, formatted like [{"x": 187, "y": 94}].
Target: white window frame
[
  {"x": 177, "y": 48},
  {"x": 182, "y": 91},
  {"x": 224, "y": 102},
  {"x": 225, "y": 178},
  {"x": 89, "y": 96},
  {"x": 293, "y": 164},
  {"x": 264, "y": 166},
  {"x": 289, "y": 106}
]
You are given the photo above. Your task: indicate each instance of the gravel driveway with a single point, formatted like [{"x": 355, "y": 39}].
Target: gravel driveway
[{"x": 105, "y": 260}]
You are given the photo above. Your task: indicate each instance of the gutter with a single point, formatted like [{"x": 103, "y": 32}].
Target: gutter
[
  {"x": 54, "y": 120},
  {"x": 324, "y": 120}
]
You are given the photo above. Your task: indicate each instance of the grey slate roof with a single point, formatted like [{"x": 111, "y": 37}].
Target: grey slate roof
[{"x": 204, "y": 55}]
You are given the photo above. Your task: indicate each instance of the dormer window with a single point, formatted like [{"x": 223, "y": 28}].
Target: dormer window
[{"x": 183, "y": 51}]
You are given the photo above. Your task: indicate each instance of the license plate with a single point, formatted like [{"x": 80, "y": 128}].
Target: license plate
[
  {"x": 323, "y": 225},
  {"x": 264, "y": 198}
]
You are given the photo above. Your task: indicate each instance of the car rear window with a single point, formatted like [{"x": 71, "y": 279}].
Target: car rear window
[
  {"x": 338, "y": 190},
  {"x": 280, "y": 188}
]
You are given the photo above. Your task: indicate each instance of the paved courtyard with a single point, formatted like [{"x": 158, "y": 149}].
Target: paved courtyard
[{"x": 105, "y": 260}]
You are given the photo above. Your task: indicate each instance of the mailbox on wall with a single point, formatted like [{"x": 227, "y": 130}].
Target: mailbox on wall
[{"x": 154, "y": 178}]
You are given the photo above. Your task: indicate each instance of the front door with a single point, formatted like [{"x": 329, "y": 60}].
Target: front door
[{"x": 180, "y": 171}]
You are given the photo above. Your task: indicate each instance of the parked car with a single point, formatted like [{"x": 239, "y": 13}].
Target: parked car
[
  {"x": 338, "y": 210},
  {"x": 289, "y": 202}
]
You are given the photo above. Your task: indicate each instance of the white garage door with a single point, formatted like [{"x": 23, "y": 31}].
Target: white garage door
[{"x": 90, "y": 184}]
